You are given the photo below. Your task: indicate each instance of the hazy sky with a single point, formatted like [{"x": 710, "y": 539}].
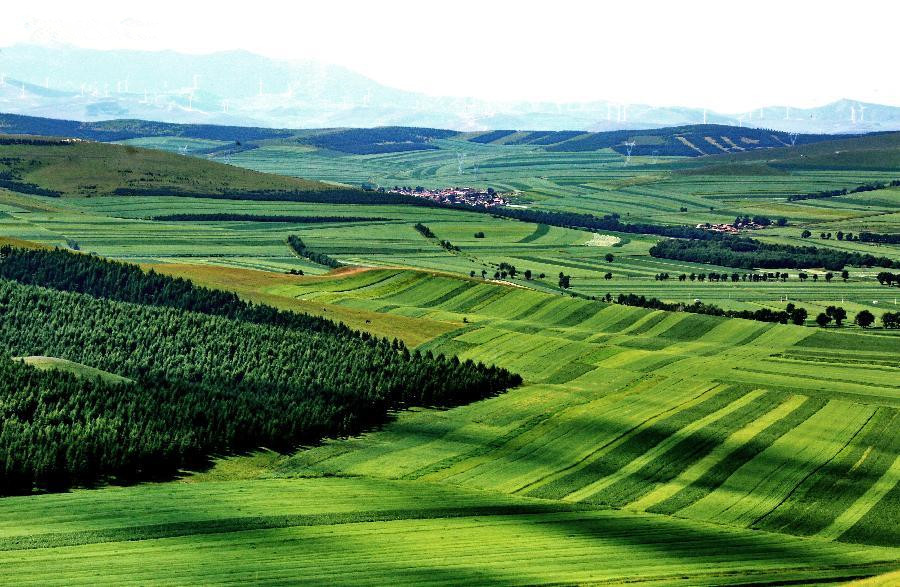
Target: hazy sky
[{"x": 724, "y": 55}]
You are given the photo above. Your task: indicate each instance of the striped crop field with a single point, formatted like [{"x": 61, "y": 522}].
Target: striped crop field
[
  {"x": 367, "y": 531},
  {"x": 727, "y": 421},
  {"x": 643, "y": 446}
]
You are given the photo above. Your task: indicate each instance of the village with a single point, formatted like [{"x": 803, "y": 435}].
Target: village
[
  {"x": 742, "y": 223},
  {"x": 456, "y": 195}
]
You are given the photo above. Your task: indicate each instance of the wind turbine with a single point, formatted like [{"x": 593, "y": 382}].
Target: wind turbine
[
  {"x": 862, "y": 109},
  {"x": 793, "y": 137},
  {"x": 852, "y": 114},
  {"x": 628, "y": 148},
  {"x": 787, "y": 112},
  {"x": 704, "y": 116},
  {"x": 22, "y": 95}
]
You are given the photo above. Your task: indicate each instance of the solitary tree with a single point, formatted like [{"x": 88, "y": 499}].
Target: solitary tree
[
  {"x": 837, "y": 313},
  {"x": 528, "y": 274},
  {"x": 607, "y": 276},
  {"x": 609, "y": 257},
  {"x": 864, "y": 319},
  {"x": 805, "y": 234},
  {"x": 845, "y": 275},
  {"x": 823, "y": 319},
  {"x": 798, "y": 316}
]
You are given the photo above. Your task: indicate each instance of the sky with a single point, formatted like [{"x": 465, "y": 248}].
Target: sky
[{"x": 724, "y": 55}]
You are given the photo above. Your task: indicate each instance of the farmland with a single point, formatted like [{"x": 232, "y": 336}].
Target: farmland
[{"x": 644, "y": 445}]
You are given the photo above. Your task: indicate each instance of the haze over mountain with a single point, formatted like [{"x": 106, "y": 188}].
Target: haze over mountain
[{"x": 242, "y": 88}]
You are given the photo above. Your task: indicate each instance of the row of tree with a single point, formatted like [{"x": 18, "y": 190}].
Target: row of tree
[
  {"x": 735, "y": 277},
  {"x": 697, "y": 307},
  {"x": 748, "y": 253},
  {"x": 868, "y": 187},
  {"x": 299, "y": 247},
  {"x": 874, "y": 237},
  {"x": 232, "y": 217},
  {"x": 887, "y": 278}
]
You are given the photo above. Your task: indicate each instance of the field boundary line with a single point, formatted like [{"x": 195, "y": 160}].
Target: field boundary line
[
  {"x": 718, "y": 454},
  {"x": 663, "y": 447},
  {"x": 816, "y": 470},
  {"x": 611, "y": 444},
  {"x": 865, "y": 502}
]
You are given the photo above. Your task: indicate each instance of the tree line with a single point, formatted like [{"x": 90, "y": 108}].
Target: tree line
[
  {"x": 428, "y": 233},
  {"x": 887, "y": 278},
  {"x": 868, "y": 187},
  {"x": 103, "y": 278},
  {"x": 299, "y": 247},
  {"x": 874, "y": 237},
  {"x": 202, "y": 384},
  {"x": 746, "y": 253},
  {"x": 734, "y": 277},
  {"x": 231, "y": 217},
  {"x": 697, "y": 307}
]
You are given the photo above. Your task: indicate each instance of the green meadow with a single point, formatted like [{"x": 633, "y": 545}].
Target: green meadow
[{"x": 644, "y": 446}]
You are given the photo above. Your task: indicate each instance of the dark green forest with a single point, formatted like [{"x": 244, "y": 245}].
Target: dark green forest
[{"x": 203, "y": 383}]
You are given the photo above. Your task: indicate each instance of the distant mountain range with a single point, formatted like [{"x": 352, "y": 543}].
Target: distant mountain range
[{"x": 240, "y": 88}]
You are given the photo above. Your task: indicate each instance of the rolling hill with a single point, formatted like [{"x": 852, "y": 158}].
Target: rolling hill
[{"x": 681, "y": 141}]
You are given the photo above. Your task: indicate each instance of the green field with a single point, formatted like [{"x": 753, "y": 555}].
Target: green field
[{"x": 644, "y": 446}]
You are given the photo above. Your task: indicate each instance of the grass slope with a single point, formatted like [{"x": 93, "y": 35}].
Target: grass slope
[{"x": 48, "y": 363}]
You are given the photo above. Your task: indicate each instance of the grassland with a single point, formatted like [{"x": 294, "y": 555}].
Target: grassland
[{"x": 645, "y": 446}]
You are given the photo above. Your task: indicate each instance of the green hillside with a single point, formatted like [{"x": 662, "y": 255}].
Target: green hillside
[
  {"x": 91, "y": 169},
  {"x": 876, "y": 152}
]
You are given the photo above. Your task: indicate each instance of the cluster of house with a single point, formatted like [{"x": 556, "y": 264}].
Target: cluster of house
[
  {"x": 730, "y": 228},
  {"x": 456, "y": 195}
]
